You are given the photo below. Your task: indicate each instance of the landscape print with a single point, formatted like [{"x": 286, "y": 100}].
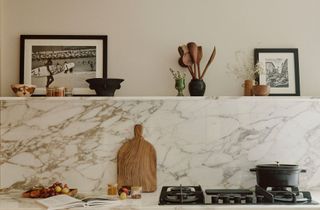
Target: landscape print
[
  {"x": 277, "y": 72},
  {"x": 63, "y": 66}
]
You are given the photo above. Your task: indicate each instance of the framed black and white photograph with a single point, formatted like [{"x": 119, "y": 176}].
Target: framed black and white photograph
[
  {"x": 62, "y": 61},
  {"x": 281, "y": 70}
]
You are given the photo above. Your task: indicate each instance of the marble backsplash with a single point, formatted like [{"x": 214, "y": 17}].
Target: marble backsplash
[{"x": 208, "y": 141}]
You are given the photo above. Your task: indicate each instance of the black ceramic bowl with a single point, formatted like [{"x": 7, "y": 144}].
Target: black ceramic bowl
[{"x": 104, "y": 86}]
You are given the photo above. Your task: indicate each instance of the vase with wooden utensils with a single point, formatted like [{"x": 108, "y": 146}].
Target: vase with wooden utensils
[{"x": 190, "y": 58}]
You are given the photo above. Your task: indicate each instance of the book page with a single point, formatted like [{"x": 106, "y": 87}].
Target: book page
[
  {"x": 59, "y": 201},
  {"x": 100, "y": 201}
]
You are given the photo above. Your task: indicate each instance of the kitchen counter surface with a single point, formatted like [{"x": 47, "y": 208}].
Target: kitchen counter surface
[
  {"x": 13, "y": 201},
  {"x": 155, "y": 98}
]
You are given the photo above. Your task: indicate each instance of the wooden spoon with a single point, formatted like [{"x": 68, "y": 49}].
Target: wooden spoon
[
  {"x": 186, "y": 60},
  {"x": 183, "y": 50},
  {"x": 209, "y": 62},
  {"x": 193, "y": 49},
  {"x": 181, "y": 63},
  {"x": 199, "y": 57}
]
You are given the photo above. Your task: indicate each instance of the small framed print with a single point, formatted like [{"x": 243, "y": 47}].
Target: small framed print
[
  {"x": 62, "y": 61},
  {"x": 281, "y": 70}
]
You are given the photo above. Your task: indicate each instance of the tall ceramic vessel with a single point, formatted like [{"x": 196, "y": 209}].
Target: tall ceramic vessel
[{"x": 197, "y": 87}]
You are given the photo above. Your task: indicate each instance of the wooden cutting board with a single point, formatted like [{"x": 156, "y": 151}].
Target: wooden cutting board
[{"x": 137, "y": 163}]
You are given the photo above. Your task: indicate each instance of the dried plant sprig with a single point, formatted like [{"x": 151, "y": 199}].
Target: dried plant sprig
[
  {"x": 245, "y": 69},
  {"x": 177, "y": 74}
]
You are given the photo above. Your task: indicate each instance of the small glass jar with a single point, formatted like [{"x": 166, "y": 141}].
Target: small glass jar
[
  {"x": 136, "y": 192},
  {"x": 59, "y": 91},
  {"x": 68, "y": 92},
  {"x": 112, "y": 189},
  {"x": 50, "y": 91}
]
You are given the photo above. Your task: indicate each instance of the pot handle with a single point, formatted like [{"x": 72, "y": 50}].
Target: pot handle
[
  {"x": 253, "y": 169},
  {"x": 303, "y": 171}
]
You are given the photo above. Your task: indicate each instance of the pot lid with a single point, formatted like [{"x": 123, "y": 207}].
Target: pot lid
[{"x": 278, "y": 166}]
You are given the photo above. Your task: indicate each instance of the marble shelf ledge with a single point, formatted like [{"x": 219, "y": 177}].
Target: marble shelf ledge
[
  {"x": 156, "y": 98},
  {"x": 149, "y": 201}
]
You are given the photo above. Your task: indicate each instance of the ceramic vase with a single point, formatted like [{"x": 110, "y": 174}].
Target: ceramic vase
[
  {"x": 197, "y": 87},
  {"x": 180, "y": 85},
  {"x": 248, "y": 85}
]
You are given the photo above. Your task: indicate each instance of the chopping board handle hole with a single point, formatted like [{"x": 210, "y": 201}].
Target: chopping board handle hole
[{"x": 138, "y": 131}]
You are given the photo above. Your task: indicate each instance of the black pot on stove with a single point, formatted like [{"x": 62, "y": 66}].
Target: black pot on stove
[{"x": 277, "y": 175}]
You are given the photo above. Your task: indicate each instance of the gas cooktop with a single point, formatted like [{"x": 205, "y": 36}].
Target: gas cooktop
[{"x": 194, "y": 195}]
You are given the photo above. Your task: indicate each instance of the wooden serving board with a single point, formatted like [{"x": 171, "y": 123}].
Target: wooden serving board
[{"x": 137, "y": 163}]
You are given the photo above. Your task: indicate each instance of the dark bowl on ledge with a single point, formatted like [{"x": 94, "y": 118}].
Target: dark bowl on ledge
[{"x": 103, "y": 86}]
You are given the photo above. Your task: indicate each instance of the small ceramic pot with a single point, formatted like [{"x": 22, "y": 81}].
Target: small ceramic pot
[
  {"x": 261, "y": 90},
  {"x": 23, "y": 90}
]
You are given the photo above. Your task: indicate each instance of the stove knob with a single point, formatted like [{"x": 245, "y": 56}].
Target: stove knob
[
  {"x": 249, "y": 199},
  {"x": 214, "y": 199},
  {"x": 237, "y": 199},
  {"x": 259, "y": 198},
  {"x": 226, "y": 199}
]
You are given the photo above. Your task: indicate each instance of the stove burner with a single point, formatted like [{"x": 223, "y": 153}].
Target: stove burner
[
  {"x": 193, "y": 195},
  {"x": 286, "y": 195},
  {"x": 181, "y": 195}
]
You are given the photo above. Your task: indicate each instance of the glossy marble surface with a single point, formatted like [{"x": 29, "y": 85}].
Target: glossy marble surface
[
  {"x": 212, "y": 141},
  {"x": 13, "y": 201}
]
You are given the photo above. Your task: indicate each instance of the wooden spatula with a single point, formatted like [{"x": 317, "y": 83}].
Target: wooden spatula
[
  {"x": 199, "y": 57},
  {"x": 213, "y": 55}
]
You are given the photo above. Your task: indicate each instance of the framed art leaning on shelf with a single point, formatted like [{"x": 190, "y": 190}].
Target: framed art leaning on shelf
[
  {"x": 281, "y": 70},
  {"x": 62, "y": 61}
]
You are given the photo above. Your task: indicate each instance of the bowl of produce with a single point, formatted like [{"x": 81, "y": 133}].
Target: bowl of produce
[{"x": 45, "y": 192}]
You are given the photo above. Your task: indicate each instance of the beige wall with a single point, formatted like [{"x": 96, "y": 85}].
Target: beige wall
[{"x": 144, "y": 35}]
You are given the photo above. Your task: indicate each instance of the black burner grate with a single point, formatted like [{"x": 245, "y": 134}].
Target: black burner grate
[{"x": 182, "y": 195}]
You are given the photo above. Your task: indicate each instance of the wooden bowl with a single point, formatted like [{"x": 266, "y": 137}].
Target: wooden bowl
[
  {"x": 23, "y": 90},
  {"x": 261, "y": 90}
]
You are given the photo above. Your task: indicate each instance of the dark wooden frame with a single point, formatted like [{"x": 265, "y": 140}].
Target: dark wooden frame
[
  {"x": 257, "y": 51},
  {"x": 104, "y": 38}
]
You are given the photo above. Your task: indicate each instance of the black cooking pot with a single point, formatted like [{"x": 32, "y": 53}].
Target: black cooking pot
[{"x": 277, "y": 175}]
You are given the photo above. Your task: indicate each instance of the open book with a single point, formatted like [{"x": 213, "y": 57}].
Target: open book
[{"x": 65, "y": 201}]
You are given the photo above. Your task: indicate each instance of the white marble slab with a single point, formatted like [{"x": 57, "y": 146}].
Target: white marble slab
[
  {"x": 13, "y": 201},
  {"x": 212, "y": 141}
]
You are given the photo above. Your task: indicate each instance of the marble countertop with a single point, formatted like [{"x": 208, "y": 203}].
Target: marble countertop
[
  {"x": 142, "y": 98},
  {"x": 13, "y": 201}
]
